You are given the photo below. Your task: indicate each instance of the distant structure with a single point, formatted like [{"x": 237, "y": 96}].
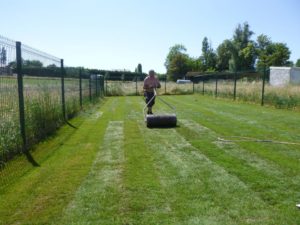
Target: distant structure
[{"x": 280, "y": 76}]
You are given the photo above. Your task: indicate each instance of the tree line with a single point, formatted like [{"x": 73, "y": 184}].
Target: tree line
[
  {"x": 240, "y": 53},
  {"x": 37, "y": 68}
]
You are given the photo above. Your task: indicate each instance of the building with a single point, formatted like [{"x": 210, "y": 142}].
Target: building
[{"x": 280, "y": 76}]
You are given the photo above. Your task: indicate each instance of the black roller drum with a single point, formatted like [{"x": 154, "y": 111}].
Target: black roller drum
[{"x": 168, "y": 120}]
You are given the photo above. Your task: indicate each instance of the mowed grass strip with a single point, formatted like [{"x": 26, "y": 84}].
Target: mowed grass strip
[
  {"x": 268, "y": 170},
  {"x": 98, "y": 198},
  {"x": 144, "y": 199},
  {"x": 234, "y": 119},
  {"x": 277, "y": 191},
  {"x": 199, "y": 190},
  {"x": 271, "y": 170},
  {"x": 114, "y": 170},
  {"x": 41, "y": 194}
]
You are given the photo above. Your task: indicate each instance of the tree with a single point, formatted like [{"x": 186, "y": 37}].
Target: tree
[
  {"x": 195, "y": 64},
  {"x": 3, "y": 56},
  {"x": 271, "y": 54},
  {"x": 248, "y": 56},
  {"x": 279, "y": 56},
  {"x": 243, "y": 53},
  {"x": 297, "y": 63},
  {"x": 178, "y": 67},
  {"x": 263, "y": 41},
  {"x": 176, "y": 49},
  {"x": 239, "y": 53},
  {"x": 177, "y": 62},
  {"x": 52, "y": 66},
  {"x": 205, "y": 50},
  {"x": 208, "y": 55},
  {"x": 224, "y": 55},
  {"x": 139, "y": 68},
  {"x": 12, "y": 65},
  {"x": 32, "y": 63},
  {"x": 242, "y": 35}
]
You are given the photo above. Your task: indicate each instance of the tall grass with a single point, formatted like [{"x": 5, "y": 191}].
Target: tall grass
[
  {"x": 280, "y": 97},
  {"x": 10, "y": 139},
  {"x": 43, "y": 110},
  {"x": 283, "y": 97},
  {"x": 125, "y": 88},
  {"x": 248, "y": 91},
  {"x": 287, "y": 97}
]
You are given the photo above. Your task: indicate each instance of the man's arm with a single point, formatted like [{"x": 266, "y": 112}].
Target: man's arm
[
  {"x": 146, "y": 85},
  {"x": 158, "y": 84}
]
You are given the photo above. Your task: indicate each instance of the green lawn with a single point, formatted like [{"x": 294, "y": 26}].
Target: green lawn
[{"x": 114, "y": 170}]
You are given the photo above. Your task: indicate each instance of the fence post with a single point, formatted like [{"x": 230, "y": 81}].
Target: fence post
[
  {"x": 63, "y": 88},
  {"x": 106, "y": 86},
  {"x": 234, "y": 87},
  {"x": 263, "y": 87},
  {"x": 102, "y": 85},
  {"x": 136, "y": 86},
  {"x": 216, "y": 91},
  {"x": 80, "y": 87},
  {"x": 90, "y": 87},
  {"x": 166, "y": 84},
  {"x": 97, "y": 86},
  {"x": 193, "y": 87},
  {"x": 21, "y": 95},
  {"x": 203, "y": 87}
]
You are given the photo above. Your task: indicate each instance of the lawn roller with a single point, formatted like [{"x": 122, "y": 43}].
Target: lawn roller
[{"x": 163, "y": 120}]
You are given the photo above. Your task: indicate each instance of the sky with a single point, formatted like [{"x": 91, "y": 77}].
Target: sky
[{"x": 119, "y": 34}]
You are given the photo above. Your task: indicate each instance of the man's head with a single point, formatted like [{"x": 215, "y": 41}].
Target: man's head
[{"x": 151, "y": 73}]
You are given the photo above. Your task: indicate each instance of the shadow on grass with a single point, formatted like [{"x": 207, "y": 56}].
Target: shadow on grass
[
  {"x": 164, "y": 127},
  {"x": 31, "y": 159},
  {"x": 71, "y": 125}
]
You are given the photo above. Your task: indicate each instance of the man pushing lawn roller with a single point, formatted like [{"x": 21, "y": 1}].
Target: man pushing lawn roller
[
  {"x": 166, "y": 120},
  {"x": 150, "y": 83}
]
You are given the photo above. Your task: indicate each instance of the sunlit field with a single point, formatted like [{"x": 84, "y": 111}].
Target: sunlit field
[
  {"x": 42, "y": 106},
  {"x": 279, "y": 97},
  {"x": 225, "y": 163}
]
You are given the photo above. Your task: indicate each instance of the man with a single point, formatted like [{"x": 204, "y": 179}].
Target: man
[{"x": 150, "y": 83}]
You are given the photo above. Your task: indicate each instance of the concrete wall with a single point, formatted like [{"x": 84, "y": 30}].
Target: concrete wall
[
  {"x": 279, "y": 76},
  {"x": 295, "y": 75}
]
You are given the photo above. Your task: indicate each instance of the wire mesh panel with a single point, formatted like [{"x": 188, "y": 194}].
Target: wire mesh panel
[
  {"x": 249, "y": 90},
  {"x": 209, "y": 87},
  {"x": 43, "y": 110},
  {"x": 36, "y": 97},
  {"x": 96, "y": 87},
  {"x": 72, "y": 96},
  {"x": 178, "y": 88},
  {"x": 10, "y": 138},
  {"x": 42, "y": 93},
  {"x": 85, "y": 87},
  {"x": 225, "y": 88}
]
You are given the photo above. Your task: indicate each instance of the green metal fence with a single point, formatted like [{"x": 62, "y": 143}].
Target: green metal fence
[
  {"x": 248, "y": 86},
  {"x": 36, "y": 97}
]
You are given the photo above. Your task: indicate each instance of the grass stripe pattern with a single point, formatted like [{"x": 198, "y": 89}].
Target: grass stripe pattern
[{"x": 115, "y": 170}]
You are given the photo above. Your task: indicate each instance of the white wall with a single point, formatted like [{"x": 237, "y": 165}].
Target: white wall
[
  {"x": 295, "y": 75},
  {"x": 279, "y": 76}
]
